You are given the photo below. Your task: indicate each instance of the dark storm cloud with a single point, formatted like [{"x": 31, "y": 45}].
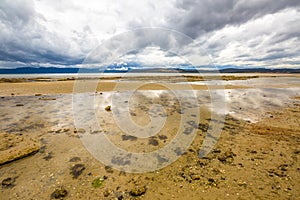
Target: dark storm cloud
[
  {"x": 24, "y": 39},
  {"x": 197, "y": 17}
]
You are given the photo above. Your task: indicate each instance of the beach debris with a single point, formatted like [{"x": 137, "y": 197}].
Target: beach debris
[
  {"x": 108, "y": 108},
  {"x": 153, "y": 141},
  {"x": 48, "y": 156},
  {"x": 138, "y": 191},
  {"x": 59, "y": 193},
  {"x": 47, "y": 99},
  {"x": 108, "y": 169},
  {"x": 98, "y": 182},
  {"x": 129, "y": 137},
  {"x": 107, "y": 192},
  {"x": 77, "y": 170},
  {"x": 227, "y": 157},
  {"x": 75, "y": 159},
  {"x": 8, "y": 183}
]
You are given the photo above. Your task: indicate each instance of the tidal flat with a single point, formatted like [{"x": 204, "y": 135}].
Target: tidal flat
[{"x": 47, "y": 124}]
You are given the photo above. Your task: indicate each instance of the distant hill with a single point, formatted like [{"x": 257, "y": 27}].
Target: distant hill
[{"x": 54, "y": 70}]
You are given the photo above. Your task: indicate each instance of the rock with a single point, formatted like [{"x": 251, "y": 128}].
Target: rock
[
  {"x": 37, "y": 95},
  {"x": 107, "y": 192},
  {"x": 48, "y": 156},
  {"x": 8, "y": 183},
  {"x": 14, "y": 147},
  {"x": 195, "y": 177},
  {"x": 75, "y": 159},
  {"x": 162, "y": 137},
  {"x": 229, "y": 154},
  {"x": 47, "y": 99},
  {"x": 108, "y": 108},
  {"x": 108, "y": 169},
  {"x": 222, "y": 158},
  {"x": 153, "y": 141},
  {"x": 138, "y": 191},
  {"x": 59, "y": 193},
  {"x": 129, "y": 137},
  {"x": 77, "y": 170},
  {"x": 19, "y": 104}
]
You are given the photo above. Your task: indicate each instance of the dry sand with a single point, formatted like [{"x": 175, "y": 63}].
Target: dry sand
[{"x": 250, "y": 161}]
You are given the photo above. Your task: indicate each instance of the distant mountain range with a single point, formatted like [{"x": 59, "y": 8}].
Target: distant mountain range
[{"x": 54, "y": 70}]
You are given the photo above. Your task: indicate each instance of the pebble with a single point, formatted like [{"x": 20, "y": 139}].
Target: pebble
[
  {"x": 138, "y": 191},
  {"x": 77, "y": 170},
  {"x": 8, "y": 183},
  {"x": 59, "y": 193}
]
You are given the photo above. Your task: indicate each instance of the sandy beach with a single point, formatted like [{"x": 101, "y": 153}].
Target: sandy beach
[{"x": 44, "y": 152}]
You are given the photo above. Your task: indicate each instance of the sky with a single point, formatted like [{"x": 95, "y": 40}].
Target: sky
[{"x": 223, "y": 33}]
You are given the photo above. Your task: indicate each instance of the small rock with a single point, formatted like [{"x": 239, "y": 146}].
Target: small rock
[
  {"x": 137, "y": 191},
  {"x": 153, "y": 141},
  {"x": 196, "y": 177},
  {"x": 8, "y": 183},
  {"x": 108, "y": 169},
  {"x": 108, "y": 108},
  {"x": 75, "y": 159},
  {"x": 107, "y": 192},
  {"x": 37, "y": 95},
  {"x": 77, "y": 170},
  {"x": 222, "y": 158},
  {"x": 59, "y": 193},
  {"x": 48, "y": 156},
  {"x": 19, "y": 104}
]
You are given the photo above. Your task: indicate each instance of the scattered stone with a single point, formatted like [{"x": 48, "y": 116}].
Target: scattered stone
[
  {"x": 19, "y": 104},
  {"x": 108, "y": 108},
  {"x": 227, "y": 157},
  {"x": 120, "y": 160},
  {"x": 283, "y": 167},
  {"x": 8, "y": 183},
  {"x": 138, "y": 191},
  {"x": 108, "y": 169},
  {"x": 59, "y": 193},
  {"x": 297, "y": 152},
  {"x": 153, "y": 141},
  {"x": 129, "y": 137},
  {"x": 75, "y": 159},
  {"x": 77, "y": 170},
  {"x": 48, "y": 156},
  {"x": 162, "y": 137},
  {"x": 107, "y": 192},
  {"x": 47, "y": 99},
  {"x": 195, "y": 177},
  {"x": 253, "y": 151}
]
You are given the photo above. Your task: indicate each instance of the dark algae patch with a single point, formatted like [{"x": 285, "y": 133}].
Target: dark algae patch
[{"x": 77, "y": 170}]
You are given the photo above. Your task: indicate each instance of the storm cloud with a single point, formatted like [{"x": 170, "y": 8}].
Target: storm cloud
[{"x": 233, "y": 32}]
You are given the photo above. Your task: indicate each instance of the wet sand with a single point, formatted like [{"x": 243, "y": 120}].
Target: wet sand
[{"x": 256, "y": 156}]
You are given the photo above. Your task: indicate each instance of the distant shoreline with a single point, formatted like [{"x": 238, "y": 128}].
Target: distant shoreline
[{"x": 54, "y": 70}]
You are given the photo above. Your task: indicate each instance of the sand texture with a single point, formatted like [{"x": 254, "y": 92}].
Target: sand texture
[{"x": 44, "y": 155}]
